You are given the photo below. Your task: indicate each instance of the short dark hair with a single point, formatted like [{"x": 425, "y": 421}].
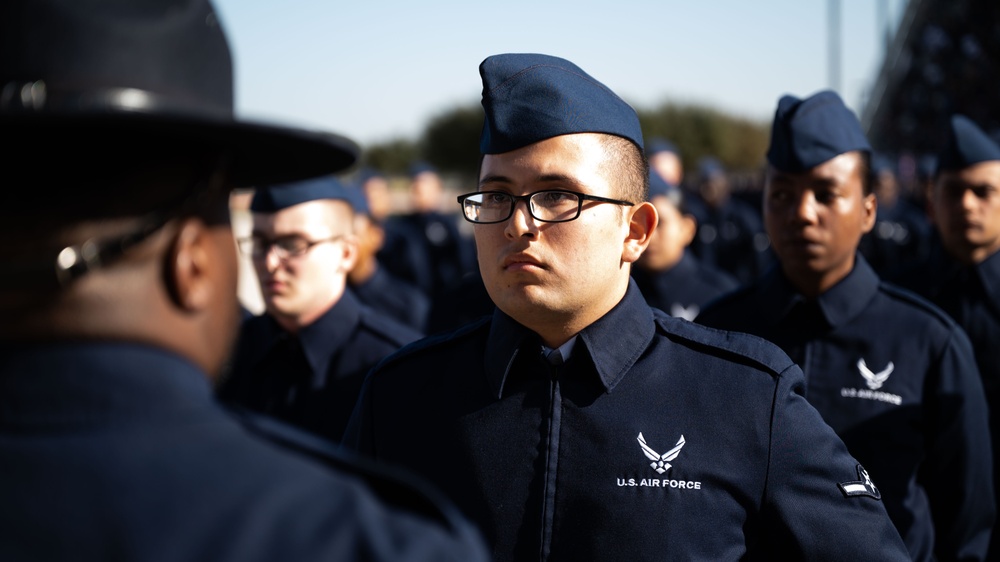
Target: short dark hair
[
  {"x": 628, "y": 164},
  {"x": 867, "y": 172},
  {"x": 630, "y": 168}
]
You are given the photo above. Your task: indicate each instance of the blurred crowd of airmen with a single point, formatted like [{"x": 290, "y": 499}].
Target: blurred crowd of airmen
[{"x": 591, "y": 356}]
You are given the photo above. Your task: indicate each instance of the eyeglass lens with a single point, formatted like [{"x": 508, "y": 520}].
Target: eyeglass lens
[{"x": 550, "y": 206}]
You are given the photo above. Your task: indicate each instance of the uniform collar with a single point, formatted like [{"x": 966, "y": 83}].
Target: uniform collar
[
  {"x": 61, "y": 383},
  {"x": 680, "y": 272},
  {"x": 378, "y": 282},
  {"x": 319, "y": 341},
  {"x": 839, "y": 304},
  {"x": 613, "y": 343},
  {"x": 329, "y": 334},
  {"x": 686, "y": 265}
]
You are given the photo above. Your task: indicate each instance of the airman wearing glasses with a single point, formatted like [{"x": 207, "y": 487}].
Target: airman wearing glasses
[
  {"x": 304, "y": 360},
  {"x": 577, "y": 423}
]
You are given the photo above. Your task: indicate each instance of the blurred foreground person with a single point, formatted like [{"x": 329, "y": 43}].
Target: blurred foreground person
[
  {"x": 890, "y": 373},
  {"x": 118, "y": 305},
  {"x": 577, "y": 423},
  {"x": 669, "y": 276}
]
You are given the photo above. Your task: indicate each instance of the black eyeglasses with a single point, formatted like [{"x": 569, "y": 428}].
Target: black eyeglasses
[
  {"x": 550, "y": 205},
  {"x": 285, "y": 247}
]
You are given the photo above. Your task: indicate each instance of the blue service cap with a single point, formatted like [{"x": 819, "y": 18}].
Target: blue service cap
[
  {"x": 660, "y": 144},
  {"x": 529, "y": 98},
  {"x": 368, "y": 173},
  {"x": 419, "y": 167},
  {"x": 709, "y": 166},
  {"x": 808, "y": 132},
  {"x": 882, "y": 163},
  {"x": 358, "y": 200},
  {"x": 926, "y": 166},
  {"x": 659, "y": 186},
  {"x": 272, "y": 198},
  {"x": 967, "y": 145}
]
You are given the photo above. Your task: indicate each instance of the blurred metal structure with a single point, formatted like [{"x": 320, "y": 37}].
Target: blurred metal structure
[{"x": 943, "y": 59}]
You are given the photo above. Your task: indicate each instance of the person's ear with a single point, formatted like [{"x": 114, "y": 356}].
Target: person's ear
[
  {"x": 188, "y": 267},
  {"x": 931, "y": 192},
  {"x": 688, "y": 228},
  {"x": 870, "y": 209},
  {"x": 349, "y": 255},
  {"x": 642, "y": 223},
  {"x": 377, "y": 235}
]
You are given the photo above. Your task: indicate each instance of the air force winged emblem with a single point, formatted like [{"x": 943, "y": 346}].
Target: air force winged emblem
[
  {"x": 660, "y": 462},
  {"x": 874, "y": 380},
  {"x": 678, "y": 310}
]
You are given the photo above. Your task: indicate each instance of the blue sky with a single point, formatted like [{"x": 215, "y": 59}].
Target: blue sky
[{"x": 376, "y": 70}]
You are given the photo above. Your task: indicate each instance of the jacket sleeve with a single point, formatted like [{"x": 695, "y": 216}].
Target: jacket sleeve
[
  {"x": 378, "y": 513},
  {"x": 958, "y": 470},
  {"x": 818, "y": 502}
]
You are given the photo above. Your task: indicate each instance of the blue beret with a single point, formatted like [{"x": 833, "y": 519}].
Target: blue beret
[
  {"x": 967, "y": 145},
  {"x": 808, "y": 132},
  {"x": 529, "y": 98},
  {"x": 659, "y": 144},
  {"x": 272, "y": 198}
]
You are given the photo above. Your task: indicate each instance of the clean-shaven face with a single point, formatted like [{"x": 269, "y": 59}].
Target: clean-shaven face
[
  {"x": 301, "y": 288},
  {"x": 816, "y": 218},
  {"x": 966, "y": 209},
  {"x": 546, "y": 275}
]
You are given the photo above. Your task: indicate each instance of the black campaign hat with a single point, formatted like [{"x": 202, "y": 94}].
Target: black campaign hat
[{"x": 144, "y": 70}]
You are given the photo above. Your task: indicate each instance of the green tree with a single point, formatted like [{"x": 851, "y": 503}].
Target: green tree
[
  {"x": 699, "y": 131},
  {"x": 392, "y": 157},
  {"x": 451, "y": 140}
]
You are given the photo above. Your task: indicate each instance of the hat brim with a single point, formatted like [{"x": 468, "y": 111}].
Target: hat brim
[{"x": 259, "y": 153}]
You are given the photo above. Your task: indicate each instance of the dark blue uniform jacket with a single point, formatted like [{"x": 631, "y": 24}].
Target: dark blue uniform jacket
[
  {"x": 657, "y": 440},
  {"x": 897, "y": 380},
  {"x": 394, "y": 298},
  {"x": 730, "y": 238},
  {"x": 428, "y": 250},
  {"x": 311, "y": 380},
  {"x": 685, "y": 288},
  {"x": 901, "y": 236},
  {"x": 971, "y": 295},
  {"x": 120, "y": 452}
]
